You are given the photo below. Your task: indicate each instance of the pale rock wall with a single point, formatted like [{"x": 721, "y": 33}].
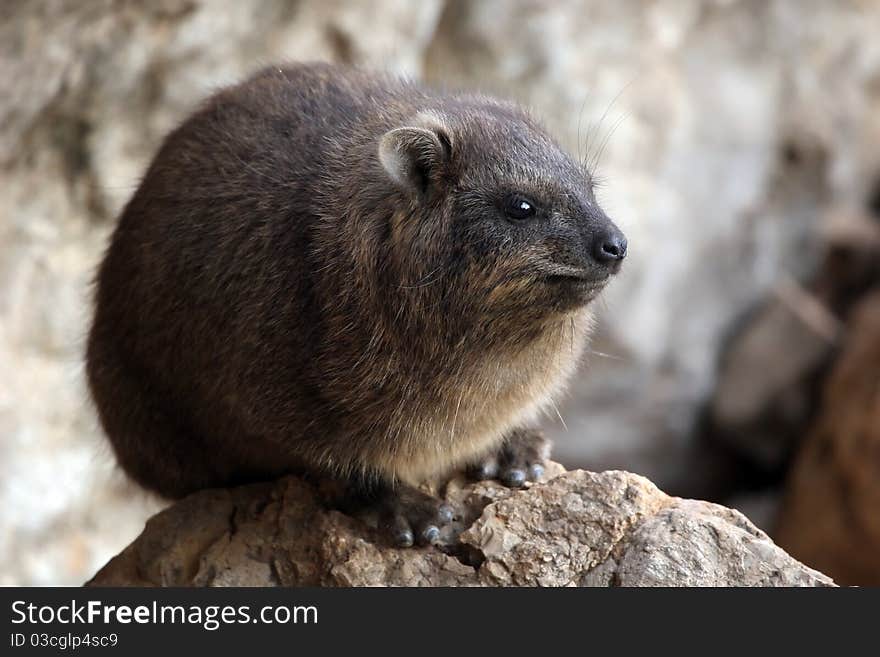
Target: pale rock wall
[{"x": 731, "y": 126}]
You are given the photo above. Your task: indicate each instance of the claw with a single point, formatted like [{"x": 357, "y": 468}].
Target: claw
[
  {"x": 430, "y": 534},
  {"x": 514, "y": 478},
  {"x": 445, "y": 513},
  {"x": 404, "y": 538},
  {"x": 484, "y": 470}
]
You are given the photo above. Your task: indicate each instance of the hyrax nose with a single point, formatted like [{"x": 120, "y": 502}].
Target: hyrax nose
[{"x": 609, "y": 246}]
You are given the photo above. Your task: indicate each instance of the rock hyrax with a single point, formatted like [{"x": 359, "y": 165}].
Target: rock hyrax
[{"x": 346, "y": 274}]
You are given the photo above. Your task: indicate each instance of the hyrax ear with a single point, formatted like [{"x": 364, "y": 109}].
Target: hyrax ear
[{"x": 413, "y": 155}]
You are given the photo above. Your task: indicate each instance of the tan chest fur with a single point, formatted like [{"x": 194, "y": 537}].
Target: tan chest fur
[{"x": 487, "y": 401}]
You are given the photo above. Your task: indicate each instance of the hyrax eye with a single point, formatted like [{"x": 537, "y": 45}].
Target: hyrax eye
[{"x": 518, "y": 207}]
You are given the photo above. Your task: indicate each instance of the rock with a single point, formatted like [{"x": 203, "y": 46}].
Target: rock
[
  {"x": 575, "y": 529},
  {"x": 773, "y": 365},
  {"x": 831, "y": 513},
  {"x": 765, "y": 395}
]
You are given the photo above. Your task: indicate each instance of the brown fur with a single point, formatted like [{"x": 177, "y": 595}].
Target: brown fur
[{"x": 315, "y": 274}]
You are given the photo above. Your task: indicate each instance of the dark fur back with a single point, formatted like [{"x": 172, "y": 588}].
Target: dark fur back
[{"x": 271, "y": 301}]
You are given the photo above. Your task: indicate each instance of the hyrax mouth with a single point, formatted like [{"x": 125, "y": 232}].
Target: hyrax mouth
[
  {"x": 574, "y": 276},
  {"x": 576, "y": 288}
]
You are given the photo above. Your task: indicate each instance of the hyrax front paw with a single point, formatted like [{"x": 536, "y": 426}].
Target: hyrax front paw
[
  {"x": 520, "y": 459},
  {"x": 411, "y": 516}
]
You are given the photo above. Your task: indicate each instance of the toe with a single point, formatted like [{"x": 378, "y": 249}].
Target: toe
[
  {"x": 402, "y": 533},
  {"x": 513, "y": 477},
  {"x": 521, "y": 458},
  {"x": 429, "y": 534},
  {"x": 412, "y": 517},
  {"x": 486, "y": 469},
  {"x": 445, "y": 514},
  {"x": 536, "y": 471}
]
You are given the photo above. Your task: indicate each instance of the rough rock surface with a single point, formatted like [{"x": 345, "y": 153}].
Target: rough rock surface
[
  {"x": 831, "y": 514},
  {"x": 575, "y": 529},
  {"x": 735, "y": 124}
]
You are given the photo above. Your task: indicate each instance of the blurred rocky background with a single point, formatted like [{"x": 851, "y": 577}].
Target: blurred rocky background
[{"x": 739, "y": 143}]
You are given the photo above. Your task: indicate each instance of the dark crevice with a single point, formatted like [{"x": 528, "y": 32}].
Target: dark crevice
[
  {"x": 233, "y": 521},
  {"x": 274, "y": 575},
  {"x": 465, "y": 554}
]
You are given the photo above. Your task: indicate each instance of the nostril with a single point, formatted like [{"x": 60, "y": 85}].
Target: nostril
[{"x": 611, "y": 247}]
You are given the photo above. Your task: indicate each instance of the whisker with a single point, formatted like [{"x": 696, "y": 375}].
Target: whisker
[
  {"x": 595, "y": 160},
  {"x": 604, "y": 355},
  {"x": 581, "y": 154},
  {"x": 594, "y": 130},
  {"x": 558, "y": 414}
]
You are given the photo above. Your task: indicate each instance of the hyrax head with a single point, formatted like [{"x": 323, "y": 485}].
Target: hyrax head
[{"x": 493, "y": 204}]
